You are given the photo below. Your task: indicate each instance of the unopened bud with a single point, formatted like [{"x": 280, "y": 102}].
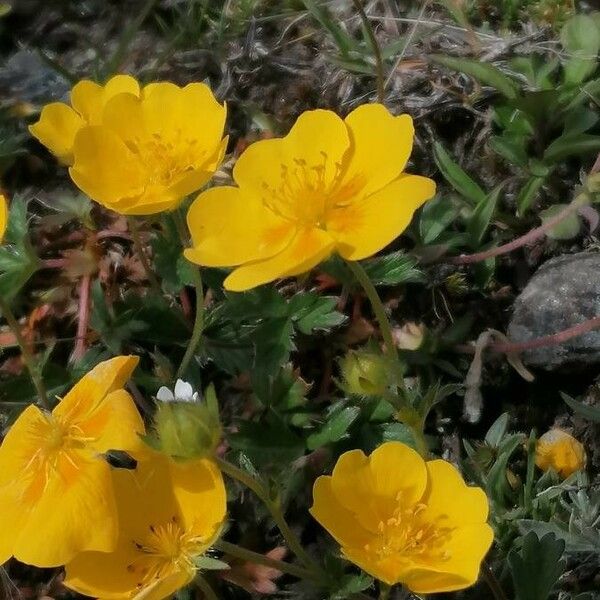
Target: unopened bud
[{"x": 364, "y": 373}]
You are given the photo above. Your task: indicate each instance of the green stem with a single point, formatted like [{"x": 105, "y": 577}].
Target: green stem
[
  {"x": 28, "y": 358},
  {"x": 492, "y": 583},
  {"x": 275, "y": 509},
  {"x": 199, "y": 316},
  {"x": 391, "y": 352},
  {"x": 376, "y": 50},
  {"x": 260, "y": 559},
  {"x": 139, "y": 249},
  {"x": 205, "y": 588},
  {"x": 198, "y": 325},
  {"x": 384, "y": 324}
]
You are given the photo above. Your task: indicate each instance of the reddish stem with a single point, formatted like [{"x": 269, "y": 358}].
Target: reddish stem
[
  {"x": 541, "y": 342},
  {"x": 524, "y": 240},
  {"x": 54, "y": 263},
  {"x": 83, "y": 318}
]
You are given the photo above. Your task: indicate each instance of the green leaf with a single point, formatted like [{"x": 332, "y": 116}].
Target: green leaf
[
  {"x": 335, "y": 428},
  {"x": 481, "y": 217},
  {"x": 581, "y": 38},
  {"x": 435, "y": 217},
  {"x": 497, "y": 486},
  {"x": 574, "y": 541},
  {"x": 455, "y": 175},
  {"x": 537, "y": 566},
  {"x": 497, "y": 431},
  {"x": 208, "y": 563},
  {"x": 591, "y": 413},
  {"x": 344, "y": 42},
  {"x": 393, "y": 269},
  {"x": 485, "y": 73},
  {"x": 311, "y": 313},
  {"x": 510, "y": 147},
  {"x": 528, "y": 194},
  {"x": 18, "y": 261},
  {"x": 580, "y": 120},
  {"x": 273, "y": 342},
  {"x": 267, "y": 443},
  {"x": 567, "y": 229},
  {"x": 571, "y": 145}
]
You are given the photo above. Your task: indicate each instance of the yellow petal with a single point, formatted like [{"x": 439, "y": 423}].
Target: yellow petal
[
  {"x": 447, "y": 495},
  {"x": 560, "y": 451},
  {"x": 193, "y": 115},
  {"x": 308, "y": 248},
  {"x": 165, "y": 587},
  {"x": 89, "y": 98},
  {"x": 200, "y": 492},
  {"x": 86, "y": 99},
  {"x": 56, "y": 129},
  {"x": 364, "y": 227},
  {"x": 115, "y": 425},
  {"x": 318, "y": 138},
  {"x": 123, "y": 115},
  {"x": 392, "y": 569},
  {"x": 229, "y": 228},
  {"x": 335, "y": 517},
  {"x": 85, "y": 497},
  {"x": 460, "y": 569},
  {"x": 104, "y": 168},
  {"x": 380, "y": 147},
  {"x": 86, "y": 395},
  {"x": 3, "y": 216},
  {"x": 399, "y": 474},
  {"x": 352, "y": 482}
]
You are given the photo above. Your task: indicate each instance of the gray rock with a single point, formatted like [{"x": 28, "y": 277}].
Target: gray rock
[{"x": 564, "y": 292}]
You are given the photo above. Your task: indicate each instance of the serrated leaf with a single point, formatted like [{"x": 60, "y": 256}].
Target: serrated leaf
[
  {"x": 456, "y": 176},
  {"x": 312, "y": 313},
  {"x": 393, "y": 269},
  {"x": 335, "y": 427},
  {"x": 591, "y": 413},
  {"x": 485, "y": 73},
  {"x": 273, "y": 341},
  {"x": 567, "y": 229},
  {"x": 537, "y": 566}
]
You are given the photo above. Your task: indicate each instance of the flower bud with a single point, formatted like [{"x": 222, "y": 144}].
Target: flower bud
[
  {"x": 560, "y": 451},
  {"x": 185, "y": 426},
  {"x": 364, "y": 373}
]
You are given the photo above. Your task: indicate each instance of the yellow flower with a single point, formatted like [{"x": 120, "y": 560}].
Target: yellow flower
[
  {"x": 170, "y": 514},
  {"x": 3, "y": 216},
  {"x": 54, "y": 483},
  {"x": 558, "y": 450},
  {"x": 404, "y": 520},
  {"x": 59, "y": 123},
  {"x": 150, "y": 151},
  {"x": 329, "y": 185}
]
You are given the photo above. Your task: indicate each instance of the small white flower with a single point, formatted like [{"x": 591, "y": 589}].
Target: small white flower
[{"x": 184, "y": 392}]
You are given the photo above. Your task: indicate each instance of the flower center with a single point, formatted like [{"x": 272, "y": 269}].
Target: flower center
[
  {"x": 306, "y": 194},
  {"x": 410, "y": 533},
  {"x": 165, "y": 549},
  {"x": 167, "y": 159}
]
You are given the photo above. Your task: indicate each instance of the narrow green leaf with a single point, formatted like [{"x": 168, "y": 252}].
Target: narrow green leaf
[
  {"x": 591, "y": 413},
  {"x": 571, "y": 145},
  {"x": 485, "y": 73},
  {"x": 456, "y": 176},
  {"x": 482, "y": 215},
  {"x": 581, "y": 38},
  {"x": 528, "y": 194}
]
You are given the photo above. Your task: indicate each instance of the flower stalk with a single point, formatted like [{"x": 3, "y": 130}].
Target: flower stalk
[
  {"x": 139, "y": 249},
  {"x": 260, "y": 559},
  {"x": 28, "y": 358},
  {"x": 274, "y": 508}
]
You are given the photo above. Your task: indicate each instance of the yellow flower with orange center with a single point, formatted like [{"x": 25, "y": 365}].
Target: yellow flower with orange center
[
  {"x": 170, "y": 514},
  {"x": 3, "y": 216},
  {"x": 330, "y": 185},
  {"x": 54, "y": 482},
  {"x": 404, "y": 520},
  {"x": 138, "y": 151},
  {"x": 59, "y": 122},
  {"x": 560, "y": 451}
]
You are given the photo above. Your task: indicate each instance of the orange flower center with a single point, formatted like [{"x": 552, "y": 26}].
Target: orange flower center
[
  {"x": 307, "y": 194},
  {"x": 59, "y": 447},
  {"x": 165, "y": 549},
  {"x": 409, "y": 533}
]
